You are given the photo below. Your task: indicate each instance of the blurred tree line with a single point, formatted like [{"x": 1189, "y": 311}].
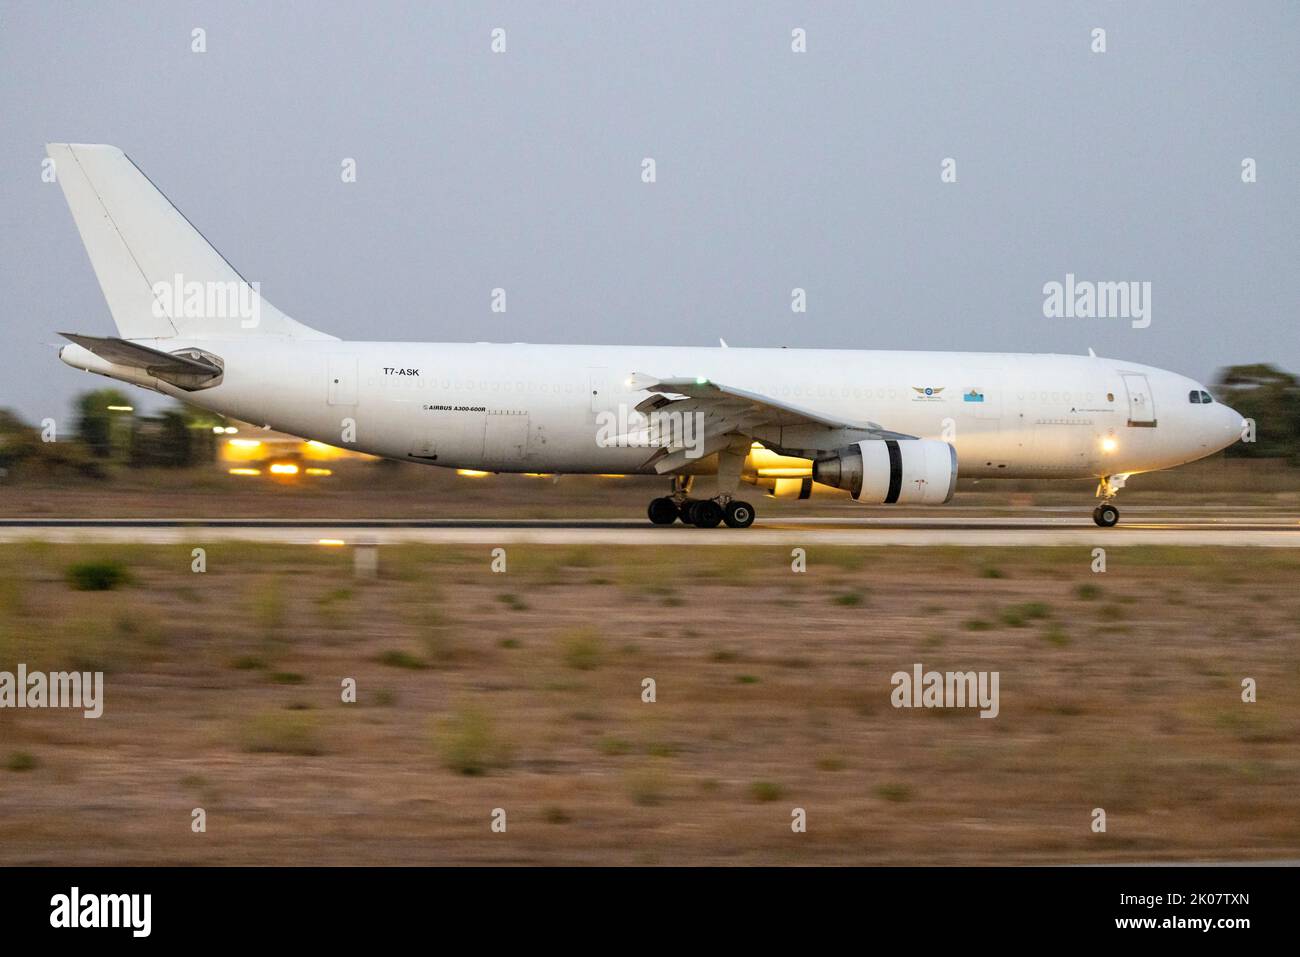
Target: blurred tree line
[
  {"x": 105, "y": 430},
  {"x": 1271, "y": 397}
]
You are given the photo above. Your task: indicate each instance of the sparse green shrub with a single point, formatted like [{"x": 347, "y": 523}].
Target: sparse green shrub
[
  {"x": 1056, "y": 635},
  {"x": 897, "y": 793},
  {"x": 582, "y": 649},
  {"x": 1018, "y": 615},
  {"x": 97, "y": 575},
  {"x": 21, "y": 761},
  {"x": 469, "y": 744},
  {"x": 397, "y": 658},
  {"x": 268, "y": 606},
  {"x": 614, "y": 746},
  {"x": 766, "y": 791},
  {"x": 282, "y": 732},
  {"x": 647, "y": 787}
]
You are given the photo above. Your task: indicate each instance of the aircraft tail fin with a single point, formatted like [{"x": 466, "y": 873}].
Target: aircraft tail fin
[{"x": 162, "y": 279}]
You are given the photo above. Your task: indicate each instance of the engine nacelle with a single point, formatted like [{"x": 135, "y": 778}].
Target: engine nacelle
[{"x": 885, "y": 471}]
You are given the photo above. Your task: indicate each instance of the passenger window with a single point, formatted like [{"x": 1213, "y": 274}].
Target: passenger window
[{"x": 1194, "y": 397}]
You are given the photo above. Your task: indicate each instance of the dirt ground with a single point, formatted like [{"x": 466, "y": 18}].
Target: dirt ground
[{"x": 522, "y": 691}]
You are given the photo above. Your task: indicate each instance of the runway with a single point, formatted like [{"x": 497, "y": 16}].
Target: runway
[{"x": 1046, "y": 528}]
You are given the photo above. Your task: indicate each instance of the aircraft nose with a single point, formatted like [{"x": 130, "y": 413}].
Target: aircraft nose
[{"x": 1232, "y": 425}]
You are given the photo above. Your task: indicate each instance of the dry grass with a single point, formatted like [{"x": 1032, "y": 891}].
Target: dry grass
[{"x": 1120, "y": 691}]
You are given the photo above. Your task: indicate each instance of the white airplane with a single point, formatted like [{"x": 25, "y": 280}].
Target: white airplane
[{"x": 888, "y": 427}]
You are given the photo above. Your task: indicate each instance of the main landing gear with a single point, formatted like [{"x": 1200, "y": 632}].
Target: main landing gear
[
  {"x": 709, "y": 512},
  {"x": 1107, "y": 515},
  {"x": 702, "y": 513}
]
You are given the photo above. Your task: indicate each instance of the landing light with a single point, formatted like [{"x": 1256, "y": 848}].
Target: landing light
[
  {"x": 245, "y": 471},
  {"x": 120, "y": 408},
  {"x": 471, "y": 473},
  {"x": 284, "y": 468},
  {"x": 331, "y": 541},
  {"x": 1108, "y": 444},
  {"x": 245, "y": 443},
  {"x": 315, "y": 471}
]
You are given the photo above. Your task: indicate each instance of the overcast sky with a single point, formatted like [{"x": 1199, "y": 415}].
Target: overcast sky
[{"x": 775, "y": 170}]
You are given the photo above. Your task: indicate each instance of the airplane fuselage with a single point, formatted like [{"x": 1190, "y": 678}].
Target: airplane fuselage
[{"x": 537, "y": 408}]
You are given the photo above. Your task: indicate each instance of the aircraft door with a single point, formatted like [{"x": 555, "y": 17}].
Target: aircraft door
[
  {"x": 1141, "y": 407},
  {"x": 505, "y": 439}
]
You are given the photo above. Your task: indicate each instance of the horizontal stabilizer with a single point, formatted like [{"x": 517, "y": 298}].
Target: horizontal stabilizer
[{"x": 136, "y": 356}]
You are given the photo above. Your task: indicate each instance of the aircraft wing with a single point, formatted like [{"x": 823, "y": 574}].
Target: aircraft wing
[
  {"x": 753, "y": 405},
  {"x": 728, "y": 411}
]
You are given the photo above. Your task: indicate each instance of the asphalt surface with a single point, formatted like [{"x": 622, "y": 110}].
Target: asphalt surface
[{"x": 1148, "y": 527}]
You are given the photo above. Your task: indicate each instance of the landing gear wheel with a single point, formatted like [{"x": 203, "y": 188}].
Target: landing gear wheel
[
  {"x": 686, "y": 512},
  {"x": 662, "y": 511},
  {"x": 706, "y": 514},
  {"x": 738, "y": 514},
  {"x": 1105, "y": 515}
]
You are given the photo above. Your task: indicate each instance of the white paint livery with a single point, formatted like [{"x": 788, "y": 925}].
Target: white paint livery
[{"x": 538, "y": 408}]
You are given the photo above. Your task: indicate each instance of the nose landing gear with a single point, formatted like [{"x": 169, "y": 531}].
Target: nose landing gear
[{"x": 1106, "y": 515}]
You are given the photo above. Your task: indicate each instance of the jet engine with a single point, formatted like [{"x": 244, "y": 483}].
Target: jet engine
[{"x": 888, "y": 471}]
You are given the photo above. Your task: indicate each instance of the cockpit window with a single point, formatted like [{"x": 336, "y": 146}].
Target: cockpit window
[
  {"x": 1206, "y": 398},
  {"x": 1194, "y": 397}
]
